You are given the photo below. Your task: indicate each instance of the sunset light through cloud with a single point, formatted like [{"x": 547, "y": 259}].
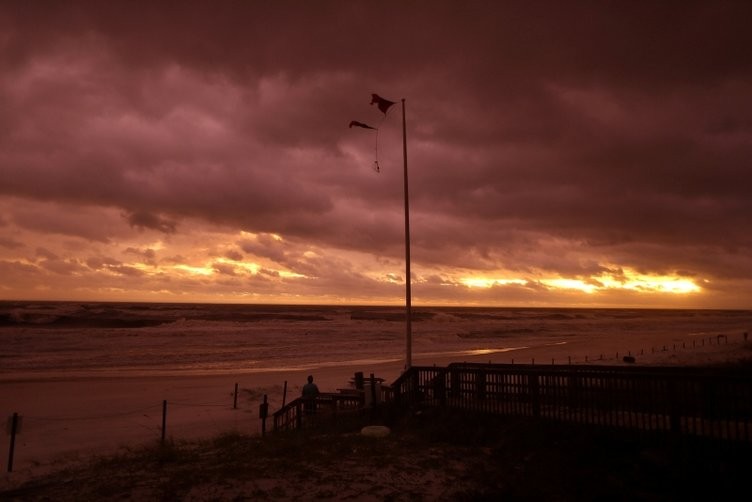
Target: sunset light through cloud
[
  {"x": 202, "y": 153},
  {"x": 632, "y": 281}
]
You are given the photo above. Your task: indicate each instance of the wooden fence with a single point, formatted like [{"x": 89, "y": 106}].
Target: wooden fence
[
  {"x": 301, "y": 412},
  {"x": 366, "y": 392},
  {"x": 707, "y": 402}
]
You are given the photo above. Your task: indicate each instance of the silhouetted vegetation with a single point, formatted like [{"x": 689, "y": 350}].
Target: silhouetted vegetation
[{"x": 431, "y": 454}]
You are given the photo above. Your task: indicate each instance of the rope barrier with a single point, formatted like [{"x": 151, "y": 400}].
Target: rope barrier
[
  {"x": 133, "y": 420},
  {"x": 719, "y": 340},
  {"x": 179, "y": 403},
  {"x": 93, "y": 417}
]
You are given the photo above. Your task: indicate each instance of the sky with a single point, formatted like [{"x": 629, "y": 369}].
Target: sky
[{"x": 560, "y": 154}]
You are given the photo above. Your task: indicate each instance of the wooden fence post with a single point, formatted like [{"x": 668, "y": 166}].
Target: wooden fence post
[
  {"x": 373, "y": 391},
  {"x": 414, "y": 386},
  {"x": 454, "y": 382},
  {"x": 359, "y": 381},
  {"x": 235, "y": 398},
  {"x": 263, "y": 413},
  {"x": 480, "y": 384},
  {"x": 164, "y": 419},
  {"x": 534, "y": 395},
  {"x": 440, "y": 387},
  {"x": 299, "y": 415},
  {"x": 284, "y": 395},
  {"x": 574, "y": 390},
  {"x": 673, "y": 408},
  {"x": 13, "y": 431}
]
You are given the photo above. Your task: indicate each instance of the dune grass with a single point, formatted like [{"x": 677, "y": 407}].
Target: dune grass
[{"x": 430, "y": 455}]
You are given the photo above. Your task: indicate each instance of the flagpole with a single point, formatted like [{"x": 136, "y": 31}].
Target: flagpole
[{"x": 408, "y": 280}]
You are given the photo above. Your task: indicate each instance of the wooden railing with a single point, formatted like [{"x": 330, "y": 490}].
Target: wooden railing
[
  {"x": 302, "y": 412},
  {"x": 705, "y": 402}
]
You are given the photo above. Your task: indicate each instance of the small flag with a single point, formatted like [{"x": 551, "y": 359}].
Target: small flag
[
  {"x": 382, "y": 103},
  {"x": 360, "y": 124}
]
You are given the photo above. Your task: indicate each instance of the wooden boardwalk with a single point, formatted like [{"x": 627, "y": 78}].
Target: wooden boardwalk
[
  {"x": 707, "y": 402},
  {"x": 702, "y": 402}
]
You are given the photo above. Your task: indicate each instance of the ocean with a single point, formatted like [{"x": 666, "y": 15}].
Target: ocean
[{"x": 53, "y": 339}]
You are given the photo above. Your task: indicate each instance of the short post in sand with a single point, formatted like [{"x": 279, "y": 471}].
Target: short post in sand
[
  {"x": 14, "y": 427},
  {"x": 373, "y": 390},
  {"x": 358, "y": 380},
  {"x": 263, "y": 413},
  {"x": 164, "y": 419}
]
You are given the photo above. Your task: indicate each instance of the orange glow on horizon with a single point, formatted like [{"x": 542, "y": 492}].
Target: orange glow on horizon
[
  {"x": 483, "y": 282},
  {"x": 193, "y": 270},
  {"x": 214, "y": 266},
  {"x": 570, "y": 284},
  {"x": 631, "y": 281}
]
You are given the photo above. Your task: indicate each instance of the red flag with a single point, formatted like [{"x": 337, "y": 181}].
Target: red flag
[
  {"x": 360, "y": 124},
  {"x": 382, "y": 103}
]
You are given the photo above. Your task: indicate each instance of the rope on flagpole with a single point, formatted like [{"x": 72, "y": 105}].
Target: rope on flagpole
[
  {"x": 383, "y": 105},
  {"x": 376, "y": 165}
]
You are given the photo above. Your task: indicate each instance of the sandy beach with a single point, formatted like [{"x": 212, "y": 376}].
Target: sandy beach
[{"x": 68, "y": 419}]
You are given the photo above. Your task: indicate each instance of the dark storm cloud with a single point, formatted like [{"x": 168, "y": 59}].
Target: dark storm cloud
[
  {"x": 224, "y": 268},
  {"x": 148, "y": 255},
  {"x": 98, "y": 262},
  {"x": 234, "y": 255},
  {"x": 266, "y": 246},
  {"x": 62, "y": 267},
  {"x": 45, "y": 254},
  {"x": 143, "y": 220},
  {"x": 10, "y": 243},
  {"x": 64, "y": 220},
  {"x": 112, "y": 265},
  {"x": 538, "y": 132}
]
